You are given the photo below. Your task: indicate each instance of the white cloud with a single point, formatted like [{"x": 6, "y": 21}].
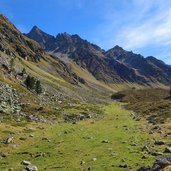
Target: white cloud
[
  {"x": 156, "y": 30},
  {"x": 138, "y": 25}
]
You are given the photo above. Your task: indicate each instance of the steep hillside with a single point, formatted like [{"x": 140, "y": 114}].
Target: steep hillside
[
  {"x": 39, "y": 36},
  {"x": 14, "y": 45},
  {"x": 21, "y": 57},
  {"x": 150, "y": 68}
]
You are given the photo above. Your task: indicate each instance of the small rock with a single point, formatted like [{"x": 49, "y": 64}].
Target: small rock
[
  {"x": 3, "y": 155},
  {"x": 105, "y": 141},
  {"x": 82, "y": 162},
  {"x": 163, "y": 161},
  {"x": 9, "y": 140},
  {"x": 94, "y": 159},
  {"x": 156, "y": 153},
  {"x": 123, "y": 165},
  {"x": 31, "y": 168},
  {"x": 45, "y": 139},
  {"x": 144, "y": 169},
  {"x": 167, "y": 150},
  {"x": 23, "y": 139},
  {"x": 144, "y": 157},
  {"x": 145, "y": 148},
  {"x": 159, "y": 142},
  {"x": 89, "y": 168},
  {"x": 31, "y": 136},
  {"x": 26, "y": 163}
]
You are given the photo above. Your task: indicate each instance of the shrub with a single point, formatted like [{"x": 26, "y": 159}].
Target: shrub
[
  {"x": 33, "y": 84},
  {"x": 38, "y": 87}
]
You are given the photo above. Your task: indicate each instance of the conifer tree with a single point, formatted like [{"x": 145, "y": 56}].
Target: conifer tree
[{"x": 38, "y": 87}]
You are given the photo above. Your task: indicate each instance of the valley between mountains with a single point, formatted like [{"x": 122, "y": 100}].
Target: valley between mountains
[
  {"x": 66, "y": 104},
  {"x": 114, "y": 142}
]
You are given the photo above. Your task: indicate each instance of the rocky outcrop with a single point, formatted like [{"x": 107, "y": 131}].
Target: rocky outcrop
[
  {"x": 160, "y": 164},
  {"x": 9, "y": 100},
  {"x": 40, "y": 36},
  {"x": 13, "y": 42}
]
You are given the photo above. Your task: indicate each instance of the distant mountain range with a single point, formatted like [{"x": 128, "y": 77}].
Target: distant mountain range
[{"x": 112, "y": 66}]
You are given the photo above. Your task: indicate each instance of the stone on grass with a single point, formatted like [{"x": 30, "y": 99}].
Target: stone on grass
[
  {"x": 94, "y": 159},
  {"x": 82, "y": 162},
  {"x": 105, "y": 141},
  {"x": 31, "y": 168},
  {"x": 26, "y": 163},
  {"x": 167, "y": 150},
  {"x": 160, "y": 163},
  {"x": 9, "y": 140},
  {"x": 145, "y": 148},
  {"x": 159, "y": 142},
  {"x": 123, "y": 165}
]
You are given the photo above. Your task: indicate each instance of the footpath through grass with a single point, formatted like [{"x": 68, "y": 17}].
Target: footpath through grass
[{"x": 96, "y": 144}]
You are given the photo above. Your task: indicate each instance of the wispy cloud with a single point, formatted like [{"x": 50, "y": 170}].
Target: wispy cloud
[
  {"x": 156, "y": 30},
  {"x": 142, "y": 24}
]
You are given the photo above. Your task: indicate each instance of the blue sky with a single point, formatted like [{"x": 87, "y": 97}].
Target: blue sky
[{"x": 143, "y": 26}]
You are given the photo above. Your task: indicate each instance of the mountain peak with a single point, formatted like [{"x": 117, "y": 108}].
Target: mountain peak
[
  {"x": 35, "y": 28},
  {"x": 63, "y": 35},
  {"x": 115, "y": 51},
  {"x": 39, "y": 36},
  {"x": 118, "y": 48}
]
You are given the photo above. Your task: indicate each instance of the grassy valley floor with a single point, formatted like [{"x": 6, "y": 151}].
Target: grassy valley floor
[{"x": 111, "y": 143}]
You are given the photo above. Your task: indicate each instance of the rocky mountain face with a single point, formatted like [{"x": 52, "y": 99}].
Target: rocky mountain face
[
  {"x": 113, "y": 66},
  {"x": 14, "y": 45},
  {"x": 150, "y": 67},
  {"x": 40, "y": 36}
]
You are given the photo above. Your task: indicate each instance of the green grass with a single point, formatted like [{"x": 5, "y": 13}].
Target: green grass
[
  {"x": 70, "y": 144},
  {"x": 150, "y": 103},
  {"x": 142, "y": 95}
]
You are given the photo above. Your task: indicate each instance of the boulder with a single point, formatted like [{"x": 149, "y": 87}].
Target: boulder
[
  {"x": 31, "y": 168},
  {"x": 163, "y": 161},
  {"x": 159, "y": 164}
]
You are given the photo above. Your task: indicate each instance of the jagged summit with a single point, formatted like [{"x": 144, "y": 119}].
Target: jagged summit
[
  {"x": 39, "y": 36},
  {"x": 114, "y": 65},
  {"x": 117, "y": 47},
  {"x": 35, "y": 28}
]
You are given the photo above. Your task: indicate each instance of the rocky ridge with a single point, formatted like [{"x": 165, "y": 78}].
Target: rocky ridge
[{"x": 112, "y": 66}]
